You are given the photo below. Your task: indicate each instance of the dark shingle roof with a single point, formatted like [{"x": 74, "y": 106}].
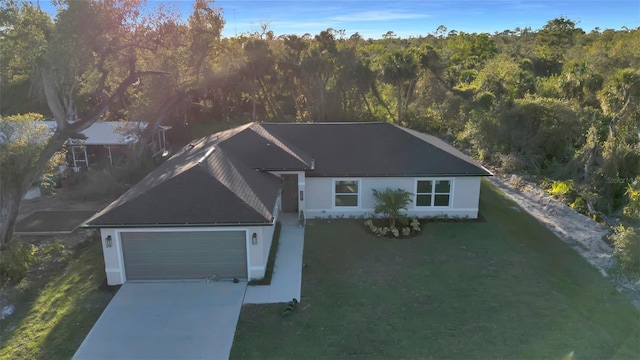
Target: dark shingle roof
[
  {"x": 200, "y": 185},
  {"x": 258, "y": 149},
  {"x": 220, "y": 179},
  {"x": 375, "y": 149}
]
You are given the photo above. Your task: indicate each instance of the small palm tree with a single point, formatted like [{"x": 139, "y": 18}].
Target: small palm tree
[
  {"x": 633, "y": 194},
  {"x": 390, "y": 203}
]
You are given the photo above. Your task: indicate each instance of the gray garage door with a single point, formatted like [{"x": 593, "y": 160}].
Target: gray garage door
[{"x": 184, "y": 255}]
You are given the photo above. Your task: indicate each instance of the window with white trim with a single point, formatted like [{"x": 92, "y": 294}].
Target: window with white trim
[
  {"x": 435, "y": 193},
  {"x": 346, "y": 193}
]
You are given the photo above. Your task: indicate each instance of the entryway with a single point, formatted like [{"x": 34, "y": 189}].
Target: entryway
[{"x": 290, "y": 193}]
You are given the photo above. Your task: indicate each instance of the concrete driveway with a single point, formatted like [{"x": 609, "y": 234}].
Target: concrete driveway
[{"x": 166, "y": 320}]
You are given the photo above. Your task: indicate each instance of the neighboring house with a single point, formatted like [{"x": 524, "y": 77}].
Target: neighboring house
[
  {"x": 210, "y": 210},
  {"x": 107, "y": 143}
]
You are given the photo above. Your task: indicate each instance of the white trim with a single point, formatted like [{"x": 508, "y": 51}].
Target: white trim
[
  {"x": 411, "y": 210},
  {"x": 247, "y": 247},
  {"x": 186, "y": 229},
  {"x": 257, "y": 267},
  {"x": 440, "y": 209},
  {"x": 118, "y": 244},
  {"x": 333, "y": 194},
  {"x": 433, "y": 193}
]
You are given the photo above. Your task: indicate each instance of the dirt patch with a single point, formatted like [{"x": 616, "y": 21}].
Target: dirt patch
[
  {"x": 577, "y": 230},
  {"x": 60, "y": 202},
  {"x": 49, "y": 222}
]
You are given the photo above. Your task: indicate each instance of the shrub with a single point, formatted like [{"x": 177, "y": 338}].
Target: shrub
[
  {"x": 632, "y": 209},
  {"x": 626, "y": 242},
  {"x": 512, "y": 162},
  {"x": 55, "y": 250},
  {"x": 395, "y": 232},
  {"x": 390, "y": 203},
  {"x": 133, "y": 171},
  {"x": 98, "y": 184},
  {"x": 415, "y": 225},
  {"x": 15, "y": 261},
  {"x": 559, "y": 188}
]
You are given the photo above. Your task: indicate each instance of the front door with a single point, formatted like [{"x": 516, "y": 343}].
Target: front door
[{"x": 290, "y": 193}]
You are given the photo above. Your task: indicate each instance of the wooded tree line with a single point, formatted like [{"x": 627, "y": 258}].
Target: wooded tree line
[{"x": 557, "y": 102}]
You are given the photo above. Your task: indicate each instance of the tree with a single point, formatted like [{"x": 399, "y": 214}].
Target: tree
[
  {"x": 580, "y": 83},
  {"x": 259, "y": 64},
  {"x": 551, "y": 42},
  {"x": 620, "y": 97},
  {"x": 319, "y": 64},
  {"x": 85, "y": 66},
  {"x": 205, "y": 27},
  {"x": 23, "y": 31},
  {"x": 390, "y": 203},
  {"x": 400, "y": 70}
]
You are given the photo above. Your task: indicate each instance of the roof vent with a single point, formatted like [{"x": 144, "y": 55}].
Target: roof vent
[{"x": 313, "y": 164}]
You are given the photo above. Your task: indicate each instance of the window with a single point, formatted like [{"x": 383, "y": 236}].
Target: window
[
  {"x": 433, "y": 193},
  {"x": 346, "y": 193}
]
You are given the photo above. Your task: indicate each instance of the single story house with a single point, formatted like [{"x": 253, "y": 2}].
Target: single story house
[
  {"x": 210, "y": 210},
  {"x": 107, "y": 143}
]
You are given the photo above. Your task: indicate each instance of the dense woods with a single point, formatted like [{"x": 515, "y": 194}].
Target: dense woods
[{"x": 557, "y": 103}]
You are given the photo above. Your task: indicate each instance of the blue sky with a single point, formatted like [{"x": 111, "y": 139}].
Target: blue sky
[{"x": 411, "y": 17}]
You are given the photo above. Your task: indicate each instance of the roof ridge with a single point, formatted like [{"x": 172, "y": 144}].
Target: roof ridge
[
  {"x": 290, "y": 149},
  {"x": 328, "y": 123},
  {"x": 228, "y": 175}
]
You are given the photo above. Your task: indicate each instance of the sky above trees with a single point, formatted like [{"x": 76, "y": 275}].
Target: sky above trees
[{"x": 373, "y": 18}]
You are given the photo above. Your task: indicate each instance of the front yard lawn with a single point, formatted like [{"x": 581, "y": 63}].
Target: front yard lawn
[
  {"x": 56, "y": 311},
  {"x": 504, "y": 288}
]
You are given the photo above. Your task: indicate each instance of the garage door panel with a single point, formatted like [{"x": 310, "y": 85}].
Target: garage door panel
[{"x": 184, "y": 255}]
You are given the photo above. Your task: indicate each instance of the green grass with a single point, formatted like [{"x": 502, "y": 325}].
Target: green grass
[
  {"x": 504, "y": 288},
  {"x": 56, "y": 311}
]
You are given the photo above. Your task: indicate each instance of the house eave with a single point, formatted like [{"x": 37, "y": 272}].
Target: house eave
[
  {"x": 398, "y": 175},
  {"x": 283, "y": 169},
  {"x": 185, "y": 225}
]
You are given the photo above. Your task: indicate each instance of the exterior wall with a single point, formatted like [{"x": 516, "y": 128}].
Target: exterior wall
[
  {"x": 465, "y": 196},
  {"x": 318, "y": 195},
  {"x": 256, "y": 261},
  {"x": 467, "y": 193},
  {"x": 267, "y": 232}
]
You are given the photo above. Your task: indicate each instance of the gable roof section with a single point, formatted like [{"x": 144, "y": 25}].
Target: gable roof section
[
  {"x": 200, "y": 185},
  {"x": 374, "y": 149},
  {"x": 256, "y": 148}
]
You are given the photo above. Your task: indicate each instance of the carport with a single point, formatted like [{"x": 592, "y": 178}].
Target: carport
[{"x": 167, "y": 320}]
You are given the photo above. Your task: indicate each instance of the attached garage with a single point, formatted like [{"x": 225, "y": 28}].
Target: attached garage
[{"x": 184, "y": 255}]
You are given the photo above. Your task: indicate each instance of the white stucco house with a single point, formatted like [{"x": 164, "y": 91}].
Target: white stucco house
[{"x": 211, "y": 209}]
